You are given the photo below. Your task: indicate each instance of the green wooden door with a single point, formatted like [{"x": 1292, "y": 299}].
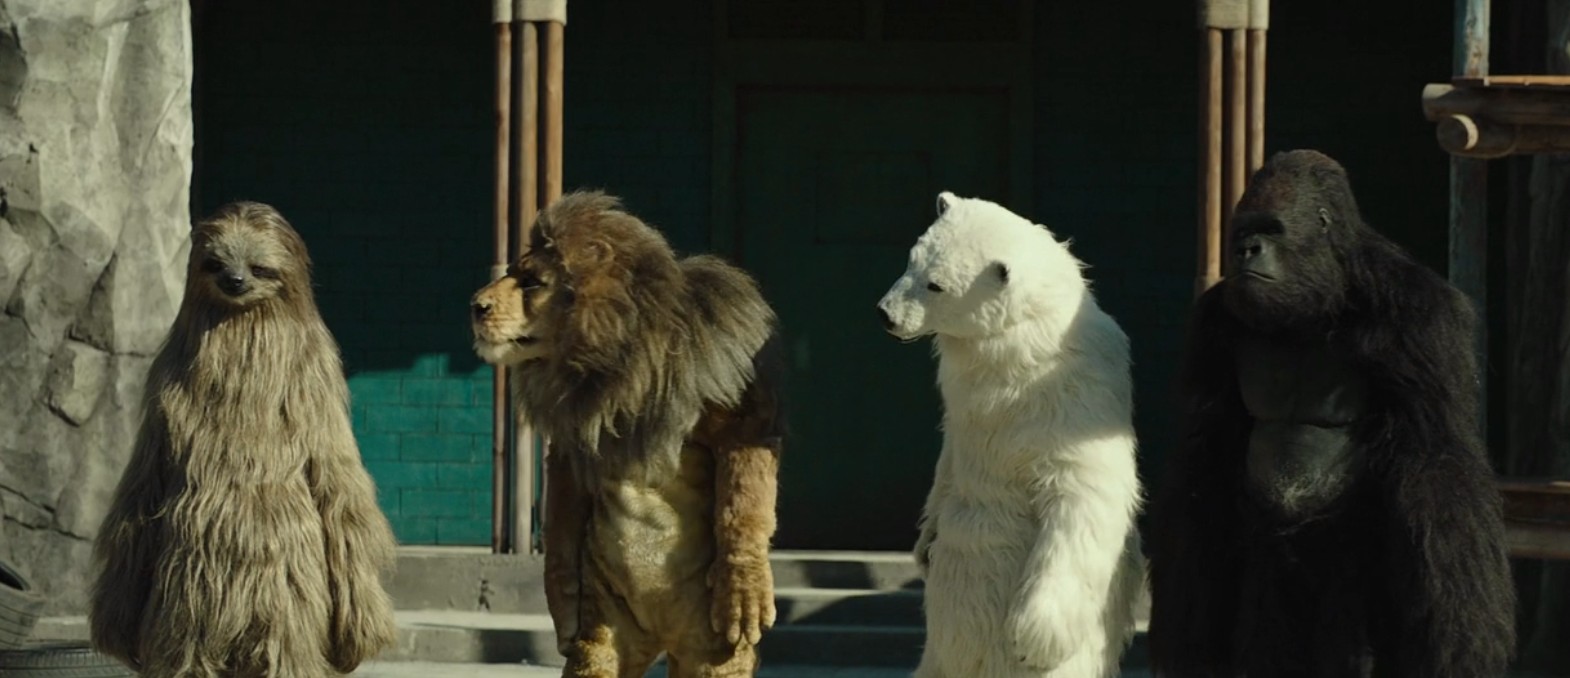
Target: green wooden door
[{"x": 834, "y": 186}]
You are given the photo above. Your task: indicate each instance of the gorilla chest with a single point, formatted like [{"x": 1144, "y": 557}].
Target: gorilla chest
[{"x": 1303, "y": 400}]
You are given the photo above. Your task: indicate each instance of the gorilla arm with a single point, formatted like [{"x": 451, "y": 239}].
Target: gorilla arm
[
  {"x": 940, "y": 488},
  {"x": 359, "y": 546},
  {"x": 1193, "y": 519},
  {"x": 1083, "y": 519},
  {"x": 128, "y": 546},
  {"x": 1446, "y": 564}
]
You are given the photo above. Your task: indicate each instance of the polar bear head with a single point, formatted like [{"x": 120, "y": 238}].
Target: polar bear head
[{"x": 978, "y": 270}]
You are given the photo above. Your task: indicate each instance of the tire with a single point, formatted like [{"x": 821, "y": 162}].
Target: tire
[
  {"x": 60, "y": 659},
  {"x": 18, "y": 608}
]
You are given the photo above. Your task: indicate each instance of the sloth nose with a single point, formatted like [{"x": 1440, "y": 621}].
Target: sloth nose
[
  {"x": 480, "y": 309},
  {"x": 888, "y": 323},
  {"x": 231, "y": 282}
]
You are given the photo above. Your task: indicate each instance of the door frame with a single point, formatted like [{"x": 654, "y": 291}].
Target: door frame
[{"x": 872, "y": 63}]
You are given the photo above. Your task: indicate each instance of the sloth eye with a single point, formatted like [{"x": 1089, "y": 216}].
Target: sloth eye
[
  {"x": 934, "y": 287},
  {"x": 264, "y": 272},
  {"x": 212, "y": 265}
]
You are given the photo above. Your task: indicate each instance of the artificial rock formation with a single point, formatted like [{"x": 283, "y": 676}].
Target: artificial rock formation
[{"x": 95, "y": 175}]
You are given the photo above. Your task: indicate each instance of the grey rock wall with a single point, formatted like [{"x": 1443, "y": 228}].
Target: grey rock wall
[{"x": 95, "y": 175}]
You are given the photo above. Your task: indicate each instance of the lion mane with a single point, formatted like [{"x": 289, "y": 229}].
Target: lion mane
[
  {"x": 653, "y": 340},
  {"x": 658, "y": 388}
]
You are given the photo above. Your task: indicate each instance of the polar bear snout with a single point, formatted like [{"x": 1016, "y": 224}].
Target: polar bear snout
[
  {"x": 900, "y": 317},
  {"x": 888, "y": 323}
]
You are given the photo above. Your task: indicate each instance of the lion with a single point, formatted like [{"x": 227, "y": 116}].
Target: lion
[
  {"x": 244, "y": 539},
  {"x": 656, "y": 381}
]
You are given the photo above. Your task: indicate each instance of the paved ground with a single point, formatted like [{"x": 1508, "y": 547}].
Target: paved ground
[{"x": 429, "y": 670}]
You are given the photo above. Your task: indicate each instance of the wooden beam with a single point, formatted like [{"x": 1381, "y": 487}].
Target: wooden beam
[
  {"x": 1465, "y": 136},
  {"x": 1511, "y": 106}
]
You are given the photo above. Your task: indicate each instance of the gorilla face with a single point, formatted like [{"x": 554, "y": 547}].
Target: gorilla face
[{"x": 1287, "y": 237}]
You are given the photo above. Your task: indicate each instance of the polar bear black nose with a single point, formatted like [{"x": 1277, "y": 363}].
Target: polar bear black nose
[{"x": 888, "y": 323}]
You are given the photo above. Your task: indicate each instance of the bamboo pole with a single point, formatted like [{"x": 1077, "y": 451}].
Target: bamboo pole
[
  {"x": 1210, "y": 159},
  {"x": 503, "y": 22}
]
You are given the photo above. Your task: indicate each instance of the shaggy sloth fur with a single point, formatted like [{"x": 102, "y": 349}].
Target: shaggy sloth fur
[
  {"x": 244, "y": 538},
  {"x": 655, "y": 382}
]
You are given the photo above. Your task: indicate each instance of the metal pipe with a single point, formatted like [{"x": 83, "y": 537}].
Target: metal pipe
[
  {"x": 1256, "y": 99},
  {"x": 1469, "y": 198},
  {"x": 551, "y": 112}
]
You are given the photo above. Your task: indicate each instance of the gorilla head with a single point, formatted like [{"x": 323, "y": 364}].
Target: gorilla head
[{"x": 1294, "y": 234}]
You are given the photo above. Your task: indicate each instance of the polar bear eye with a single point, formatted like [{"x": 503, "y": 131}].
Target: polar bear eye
[{"x": 934, "y": 287}]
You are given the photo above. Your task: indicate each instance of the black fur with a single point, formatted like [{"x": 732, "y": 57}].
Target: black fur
[{"x": 1406, "y": 574}]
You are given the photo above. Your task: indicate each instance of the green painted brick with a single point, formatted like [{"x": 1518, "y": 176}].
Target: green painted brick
[
  {"x": 471, "y": 477},
  {"x": 378, "y": 445},
  {"x": 399, "y": 419},
  {"x": 436, "y": 447},
  {"x": 480, "y": 392},
  {"x": 446, "y": 391},
  {"x": 394, "y": 475},
  {"x": 463, "y": 532},
  {"x": 434, "y": 503},
  {"x": 480, "y": 504},
  {"x": 465, "y": 420},
  {"x": 430, "y": 365},
  {"x": 414, "y": 531},
  {"x": 376, "y": 390},
  {"x": 387, "y": 500}
]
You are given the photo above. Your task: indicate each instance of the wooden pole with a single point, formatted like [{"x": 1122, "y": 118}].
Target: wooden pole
[
  {"x": 1256, "y": 99},
  {"x": 1469, "y": 198},
  {"x": 1236, "y": 167},
  {"x": 526, "y": 118},
  {"x": 551, "y": 113},
  {"x": 499, "y": 266},
  {"x": 1209, "y": 159}
]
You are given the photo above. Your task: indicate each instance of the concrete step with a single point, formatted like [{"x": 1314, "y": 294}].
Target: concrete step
[
  {"x": 477, "y": 580},
  {"x": 477, "y": 637}
]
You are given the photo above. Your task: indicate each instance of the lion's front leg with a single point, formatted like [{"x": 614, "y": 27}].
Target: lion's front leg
[
  {"x": 566, "y": 516},
  {"x": 740, "y": 580}
]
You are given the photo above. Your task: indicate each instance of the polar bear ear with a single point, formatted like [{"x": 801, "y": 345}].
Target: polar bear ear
[
  {"x": 1002, "y": 271},
  {"x": 945, "y": 201}
]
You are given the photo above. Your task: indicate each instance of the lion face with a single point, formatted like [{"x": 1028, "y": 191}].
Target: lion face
[{"x": 511, "y": 317}]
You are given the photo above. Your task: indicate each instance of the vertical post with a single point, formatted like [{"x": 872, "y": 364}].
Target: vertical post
[
  {"x": 526, "y": 204},
  {"x": 1469, "y": 198},
  {"x": 1236, "y": 129},
  {"x": 1209, "y": 159},
  {"x": 551, "y": 113},
  {"x": 1258, "y": 24},
  {"x": 502, "y": 18}
]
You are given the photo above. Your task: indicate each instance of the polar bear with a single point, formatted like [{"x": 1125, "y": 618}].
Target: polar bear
[{"x": 1028, "y": 544}]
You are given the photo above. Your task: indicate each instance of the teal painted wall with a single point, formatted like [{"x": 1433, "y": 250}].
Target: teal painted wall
[{"x": 369, "y": 125}]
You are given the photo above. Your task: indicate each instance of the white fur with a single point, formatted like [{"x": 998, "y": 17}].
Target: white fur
[{"x": 1034, "y": 563}]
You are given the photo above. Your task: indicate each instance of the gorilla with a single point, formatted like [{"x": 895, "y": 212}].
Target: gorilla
[{"x": 1329, "y": 510}]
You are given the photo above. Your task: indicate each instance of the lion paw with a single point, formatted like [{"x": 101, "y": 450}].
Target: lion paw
[{"x": 743, "y": 600}]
